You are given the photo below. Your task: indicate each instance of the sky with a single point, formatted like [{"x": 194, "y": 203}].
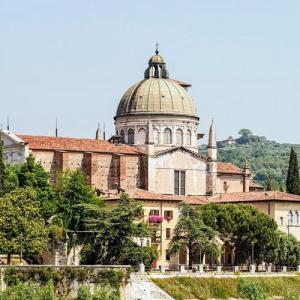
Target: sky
[{"x": 74, "y": 59}]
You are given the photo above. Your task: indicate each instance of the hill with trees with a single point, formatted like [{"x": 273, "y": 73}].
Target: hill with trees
[{"x": 269, "y": 160}]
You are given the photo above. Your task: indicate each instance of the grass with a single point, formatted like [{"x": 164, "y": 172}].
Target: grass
[{"x": 181, "y": 288}]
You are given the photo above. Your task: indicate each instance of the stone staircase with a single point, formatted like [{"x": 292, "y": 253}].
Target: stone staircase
[{"x": 139, "y": 287}]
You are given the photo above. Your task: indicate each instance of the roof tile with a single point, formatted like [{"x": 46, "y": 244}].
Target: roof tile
[{"x": 76, "y": 144}]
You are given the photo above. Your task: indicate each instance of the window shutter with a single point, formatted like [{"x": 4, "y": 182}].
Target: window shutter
[
  {"x": 176, "y": 182},
  {"x": 182, "y": 183}
]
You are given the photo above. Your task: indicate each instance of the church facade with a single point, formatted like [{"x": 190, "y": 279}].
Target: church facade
[{"x": 154, "y": 157}]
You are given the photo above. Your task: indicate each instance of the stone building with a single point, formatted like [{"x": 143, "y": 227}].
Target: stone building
[{"x": 153, "y": 156}]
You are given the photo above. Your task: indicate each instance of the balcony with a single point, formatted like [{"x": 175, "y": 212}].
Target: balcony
[{"x": 155, "y": 219}]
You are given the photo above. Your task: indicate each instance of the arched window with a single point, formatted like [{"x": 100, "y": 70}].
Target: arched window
[
  {"x": 141, "y": 138},
  {"x": 188, "y": 137},
  {"x": 167, "y": 136},
  {"x": 122, "y": 134},
  {"x": 130, "y": 136},
  {"x": 290, "y": 218},
  {"x": 296, "y": 218},
  {"x": 179, "y": 137},
  {"x": 156, "y": 136}
]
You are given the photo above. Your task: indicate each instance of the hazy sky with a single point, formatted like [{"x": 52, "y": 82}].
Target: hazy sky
[{"x": 74, "y": 59}]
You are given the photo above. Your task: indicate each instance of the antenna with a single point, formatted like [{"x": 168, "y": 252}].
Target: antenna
[
  {"x": 97, "y": 132},
  {"x": 56, "y": 129},
  {"x": 7, "y": 126},
  {"x": 103, "y": 130}
]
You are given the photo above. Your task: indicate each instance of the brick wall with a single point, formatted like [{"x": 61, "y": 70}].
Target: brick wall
[{"x": 103, "y": 171}]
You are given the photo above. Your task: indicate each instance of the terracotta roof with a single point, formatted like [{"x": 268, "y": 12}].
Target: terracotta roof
[
  {"x": 144, "y": 195},
  {"x": 254, "y": 197},
  {"x": 228, "y": 168},
  {"x": 140, "y": 194},
  {"x": 76, "y": 144}
]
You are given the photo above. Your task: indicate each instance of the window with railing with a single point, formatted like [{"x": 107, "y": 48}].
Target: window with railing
[{"x": 154, "y": 216}]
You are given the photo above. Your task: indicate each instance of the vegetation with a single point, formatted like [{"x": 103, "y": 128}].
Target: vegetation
[
  {"x": 222, "y": 288},
  {"x": 113, "y": 229},
  {"x": 2, "y": 167},
  {"x": 191, "y": 233},
  {"x": 268, "y": 159},
  {"x": 71, "y": 191},
  {"x": 22, "y": 227},
  {"x": 57, "y": 283},
  {"x": 242, "y": 226},
  {"x": 292, "y": 181}
]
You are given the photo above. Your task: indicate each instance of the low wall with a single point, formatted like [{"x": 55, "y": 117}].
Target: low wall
[{"x": 67, "y": 279}]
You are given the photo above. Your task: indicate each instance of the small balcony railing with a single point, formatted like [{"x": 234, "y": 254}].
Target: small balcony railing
[{"x": 155, "y": 219}]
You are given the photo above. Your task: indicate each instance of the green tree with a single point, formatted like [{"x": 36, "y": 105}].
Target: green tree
[
  {"x": 271, "y": 184},
  {"x": 245, "y": 132},
  {"x": 287, "y": 250},
  {"x": 11, "y": 180},
  {"x": 32, "y": 174},
  {"x": 114, "y": 229},
  {"x": 292, "y": 181},
  {"x": 2, "y": 166},
  {"x": 242, "y": 225},
  {"x": 71, "y": 189},
  {"x": 21, "y": 224},
  {"x": 191, "y": 234}
]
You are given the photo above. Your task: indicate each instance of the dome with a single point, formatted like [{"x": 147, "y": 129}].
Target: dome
[
  {"x": 157, "y": 96},
  {"x": 156, "y": 59}
]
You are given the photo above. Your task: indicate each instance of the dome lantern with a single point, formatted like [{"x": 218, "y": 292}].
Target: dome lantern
[{"x": 157, "y": 66}]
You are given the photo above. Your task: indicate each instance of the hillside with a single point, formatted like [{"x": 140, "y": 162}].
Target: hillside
[{"x": 268, "y": 159}]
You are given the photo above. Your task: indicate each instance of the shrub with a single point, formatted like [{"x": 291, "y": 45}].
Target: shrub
[
  {"x": 30, "y": 291},
  {"x": 105, "y": 293},
  {"x": 84, "y": 293},
  {"x": 250, "y": 290}
]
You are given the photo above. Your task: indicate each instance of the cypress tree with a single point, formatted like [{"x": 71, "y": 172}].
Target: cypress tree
[
  {"x": 2, "y": 166},
  {"x": 292, "y": 181}
]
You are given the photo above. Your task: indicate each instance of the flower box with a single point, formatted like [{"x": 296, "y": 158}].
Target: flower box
[{"x": 155, "y": 219}]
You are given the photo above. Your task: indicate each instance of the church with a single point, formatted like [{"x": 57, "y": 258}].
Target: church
[{"x": 154, "y": 157}]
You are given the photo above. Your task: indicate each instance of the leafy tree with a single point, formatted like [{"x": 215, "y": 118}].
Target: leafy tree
[
  {"x": 11, "y": 180},
  {"x": 2, "y": 166},
  {"x": 71, "y": 190},
  {"x": 113, "y": 230},
  {"x": 242, "y": 224},
  {"x": 292, "y": 181},
  {"x": 245, "y": 132},
  {"x": 32, "y": 174},
  {"x": 21, "y": 224},
  {"x": 287, "y": 250},
  {"x": 191, "y": 234},
  {"x": 271, "y": 184}
]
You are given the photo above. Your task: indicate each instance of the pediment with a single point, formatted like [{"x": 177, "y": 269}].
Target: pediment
[{"x": 181, "y": 149}]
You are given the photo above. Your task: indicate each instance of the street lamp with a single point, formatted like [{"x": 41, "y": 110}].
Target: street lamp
[
  {"x": 142, "y": 243},
  {"x": 200, "y": 253},
  {"x": 74, "y": 238},
  {"x": 252, "y": 253}
]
